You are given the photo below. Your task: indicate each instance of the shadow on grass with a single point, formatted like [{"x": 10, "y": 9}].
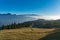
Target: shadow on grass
[{"x": 53, "y": 36}]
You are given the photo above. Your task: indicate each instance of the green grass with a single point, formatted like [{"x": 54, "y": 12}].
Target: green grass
[{"x": 24, "y": 34}]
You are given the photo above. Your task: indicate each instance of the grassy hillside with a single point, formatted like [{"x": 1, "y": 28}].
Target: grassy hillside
[
  {"x": 24, "y": 34},
  {"x": 52, "y": 36}
]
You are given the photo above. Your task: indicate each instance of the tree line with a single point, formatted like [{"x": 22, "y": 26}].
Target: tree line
[
  {"x": 37, "y": 24},
  {"x": 16, "y": 26}
]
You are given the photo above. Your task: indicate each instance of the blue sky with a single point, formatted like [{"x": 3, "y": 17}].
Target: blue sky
[{"x": 42, "y": 7}]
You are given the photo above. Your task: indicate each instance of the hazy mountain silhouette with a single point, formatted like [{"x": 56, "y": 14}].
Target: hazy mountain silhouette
[
  {"x": 30, "y": 15},
  {"x": 9, "y": 18}
]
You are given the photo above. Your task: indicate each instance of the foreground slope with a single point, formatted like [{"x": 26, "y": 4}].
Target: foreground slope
[
  {"x": 24, "y": 34},
  {"x": 52, "y": 36}
]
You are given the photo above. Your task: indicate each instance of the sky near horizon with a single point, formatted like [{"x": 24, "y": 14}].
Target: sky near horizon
[{"x": 40, "y": 7}]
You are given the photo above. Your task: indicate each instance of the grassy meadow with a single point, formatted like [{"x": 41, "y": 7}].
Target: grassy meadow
[{"x": 25, "y": 33}]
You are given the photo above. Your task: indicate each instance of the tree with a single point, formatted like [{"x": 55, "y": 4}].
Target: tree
[{"x": 4, "y": 27}]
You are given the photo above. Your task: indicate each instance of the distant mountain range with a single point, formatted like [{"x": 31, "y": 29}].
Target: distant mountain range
[
  {"x": 9, "y": 18},
  {"x": 26, "y": 19},
  {"x": 6, "y": 19},
  {"x": 30, "y": 15}
]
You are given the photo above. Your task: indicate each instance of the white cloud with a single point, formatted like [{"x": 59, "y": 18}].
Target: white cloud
[{"x": 46, "y": 17}]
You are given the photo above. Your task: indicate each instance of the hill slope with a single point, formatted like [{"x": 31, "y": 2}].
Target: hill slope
[
  {"x": 24, "y": 34},
  {"x": 53, "y": 36}
]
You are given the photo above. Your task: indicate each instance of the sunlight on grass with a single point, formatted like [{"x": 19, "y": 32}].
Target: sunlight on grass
[{"x": 24, "y": 34}]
